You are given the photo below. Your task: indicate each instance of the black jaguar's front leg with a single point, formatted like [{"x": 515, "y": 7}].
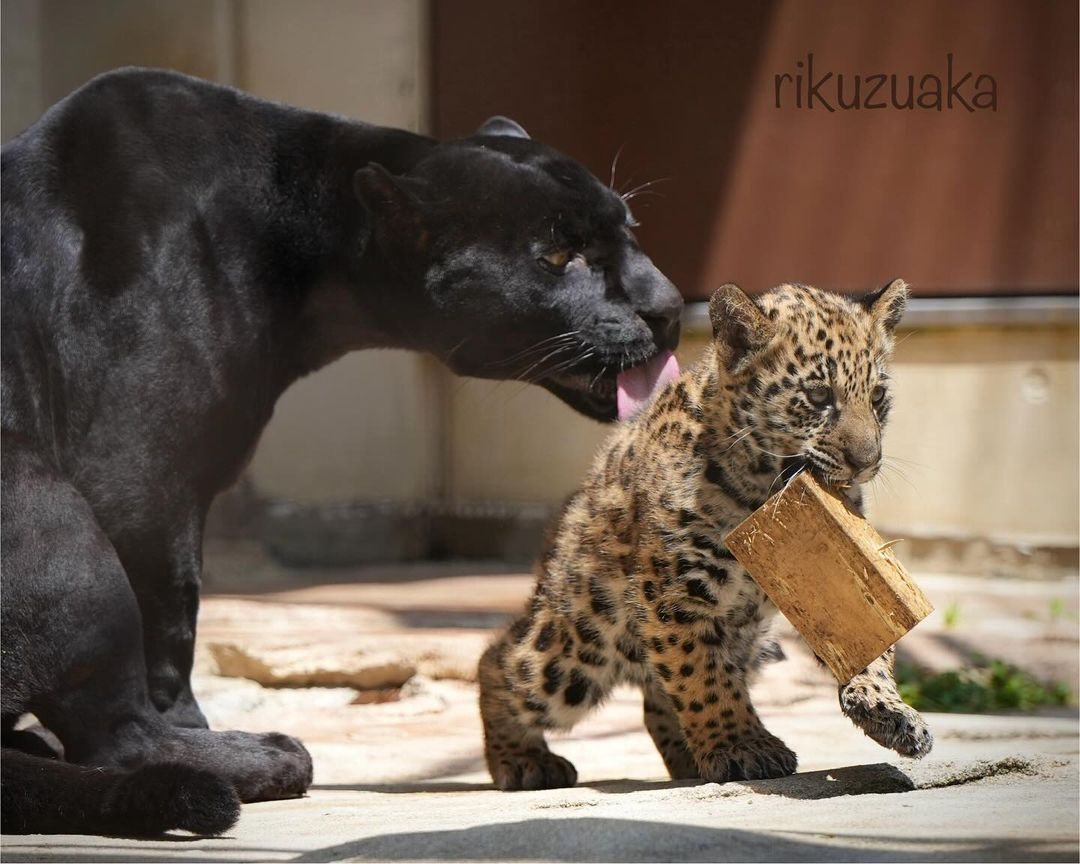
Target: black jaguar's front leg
[{"x": 166, "y": 573}]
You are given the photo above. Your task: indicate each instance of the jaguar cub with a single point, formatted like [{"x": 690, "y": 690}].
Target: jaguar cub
[{"x": 636, "y": 584}]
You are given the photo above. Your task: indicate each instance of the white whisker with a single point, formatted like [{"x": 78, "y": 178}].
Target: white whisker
[
  {"x": 614, "y": 165},
  {"x": 637, "y": 190}
]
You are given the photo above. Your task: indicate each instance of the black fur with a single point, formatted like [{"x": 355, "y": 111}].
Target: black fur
[
  {"x": 45, "y": 796},
  {"x": 175, "y": 254}
]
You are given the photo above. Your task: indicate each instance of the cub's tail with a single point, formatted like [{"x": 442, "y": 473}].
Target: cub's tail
[{"x": 46, "y": 796}]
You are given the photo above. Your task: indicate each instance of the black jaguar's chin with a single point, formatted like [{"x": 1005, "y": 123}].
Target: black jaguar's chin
[
  {"x": 614, "y": 390},
  {"x": 590, "y": 394}
]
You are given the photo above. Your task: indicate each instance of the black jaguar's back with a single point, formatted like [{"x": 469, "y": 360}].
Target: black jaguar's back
[{"x": 160, "y": 239}]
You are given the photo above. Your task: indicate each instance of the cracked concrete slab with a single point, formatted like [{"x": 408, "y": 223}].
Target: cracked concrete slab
[{"x": 404, "y": 779}]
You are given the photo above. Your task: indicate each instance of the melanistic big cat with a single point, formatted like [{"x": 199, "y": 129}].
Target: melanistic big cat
[{"x": 175, "y": 255}]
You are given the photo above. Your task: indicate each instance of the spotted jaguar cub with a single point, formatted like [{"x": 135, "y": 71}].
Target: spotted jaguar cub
[{"x": 636, "y": 584}]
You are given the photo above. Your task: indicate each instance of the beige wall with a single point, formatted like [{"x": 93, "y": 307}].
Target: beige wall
[
  {"x": 515, "y": 442},
  {"x": 369, "y": 425},
  {"x": 362, "y": 58},
  {"x": 21, "y": 99},
  {"x": 983, "y": 440},
  {"x": 985, "y": 436},
  {"x": 986, "y": 424},
  {"x": 332, "y": 435}
]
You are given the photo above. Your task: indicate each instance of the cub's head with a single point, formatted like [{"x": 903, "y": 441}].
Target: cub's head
[
  {"x": 520, "y": 264},
  {"x": 809, "y": 375}
]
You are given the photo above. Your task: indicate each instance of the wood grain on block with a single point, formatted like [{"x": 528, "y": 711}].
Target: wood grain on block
[{"x": 829, "y": 572}]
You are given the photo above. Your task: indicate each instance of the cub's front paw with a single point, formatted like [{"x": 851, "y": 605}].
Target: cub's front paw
[
  {"x": 889, "y": 722},
  {"x": 532, "y": 769},
  {"x": 756, "y": 755}
]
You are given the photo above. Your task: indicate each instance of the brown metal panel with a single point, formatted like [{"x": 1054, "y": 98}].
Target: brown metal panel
[
  {"x": 593, "y": 77},
  {"x": 957, "y": 202}
]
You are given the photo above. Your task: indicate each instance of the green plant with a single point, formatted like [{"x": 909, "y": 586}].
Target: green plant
[
  {"x": 1058, "y": 610},
  {"x": 983, "y": 687},
  {"x": 950, "y": 615}
]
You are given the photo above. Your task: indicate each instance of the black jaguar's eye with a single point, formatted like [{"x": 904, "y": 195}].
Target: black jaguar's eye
[
  {"x": 557, "y": 259},
  {"x": 819, "y": 395},
  {"x": 877, "y": 394}
]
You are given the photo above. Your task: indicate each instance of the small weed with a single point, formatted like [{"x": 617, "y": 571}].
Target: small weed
[
  {"x": 1059, "y": 610},
  {"x": 984, "y": 687},
  {"x": 950, "y": 615}
]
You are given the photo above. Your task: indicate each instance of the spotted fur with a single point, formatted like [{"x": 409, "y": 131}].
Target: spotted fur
[{"x": 636, "y": 584}]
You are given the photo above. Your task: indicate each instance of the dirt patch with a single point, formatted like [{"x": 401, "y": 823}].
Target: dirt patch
[{"x": 941, "y": 775}]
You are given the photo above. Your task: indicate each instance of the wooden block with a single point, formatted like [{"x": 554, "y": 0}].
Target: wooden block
[{"x": 829, "y": 572}]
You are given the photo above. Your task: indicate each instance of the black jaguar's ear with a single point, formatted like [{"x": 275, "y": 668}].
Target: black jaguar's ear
[
  {"x": 887, "y": 303},
  {"x": 395, "y": 209},
  {"x": 503, "y": 126},
  {"x": 739, "y": 327}
]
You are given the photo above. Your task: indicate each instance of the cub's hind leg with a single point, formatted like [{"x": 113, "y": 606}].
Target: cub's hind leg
[
  {"x": 514, "y": 718},
  {"x": 531, "y": 680},
  {"x": 663, "y": 725}
]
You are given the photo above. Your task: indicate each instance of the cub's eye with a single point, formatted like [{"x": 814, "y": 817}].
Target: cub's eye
[
  {"x": 877, "y": 394},
  {"x": 819, "y": 396},
  {"x": 557, "y": 259}
]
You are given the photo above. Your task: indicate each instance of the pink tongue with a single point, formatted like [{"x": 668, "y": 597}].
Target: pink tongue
[{"x": 638, "y": 385}]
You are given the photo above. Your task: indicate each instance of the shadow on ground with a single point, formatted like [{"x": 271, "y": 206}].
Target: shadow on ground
[
  {"x": 878, "y": 779},
  {"x": 623, "y": 840}
]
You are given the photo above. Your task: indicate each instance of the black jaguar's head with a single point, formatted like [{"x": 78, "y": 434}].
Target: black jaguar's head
[{"x": 525, "y": 267}]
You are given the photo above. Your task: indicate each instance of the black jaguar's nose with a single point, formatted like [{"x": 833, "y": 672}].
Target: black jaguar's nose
[
  {"x": 661, "y": 308},
  {"x": 665, "y": 327}
]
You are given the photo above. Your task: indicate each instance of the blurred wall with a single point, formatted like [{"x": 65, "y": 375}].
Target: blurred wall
[
  {"x": 333, "y": 434},
  {"x": 985, "y": 433},
  {"x": 983, "y": 441},
  {"x": 985, "y": 436},
  {"x": 760, "y": 185},
  {"x": 986, "y": 427},
  {"x": 369, "y": 426}
]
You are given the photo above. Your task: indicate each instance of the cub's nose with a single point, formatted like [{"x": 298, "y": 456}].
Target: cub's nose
[{"x": 863, "y": 457}]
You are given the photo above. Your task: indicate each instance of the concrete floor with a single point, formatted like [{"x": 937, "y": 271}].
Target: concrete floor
[{"x": 404, "y": 780}]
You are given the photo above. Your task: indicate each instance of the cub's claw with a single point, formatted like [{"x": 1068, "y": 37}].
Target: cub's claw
[
  {"x": 889, "y": 722},
  {"x": 757, "y": 756},
  {"x": 532, "y": 769}
]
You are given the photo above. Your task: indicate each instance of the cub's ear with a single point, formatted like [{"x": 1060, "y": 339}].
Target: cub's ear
[
  {"x": 738, "y": 325},
  {"x": 394, "y": 207},
  {"x": 503, "y": 126},
  {"x": 887, "y": 303}
]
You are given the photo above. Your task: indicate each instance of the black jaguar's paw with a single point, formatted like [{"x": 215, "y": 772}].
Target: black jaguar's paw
[
  {"x": 159, "y": 798},
  {"x": 282, "y": 765},
  {"x": 261, "y": 767}
]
